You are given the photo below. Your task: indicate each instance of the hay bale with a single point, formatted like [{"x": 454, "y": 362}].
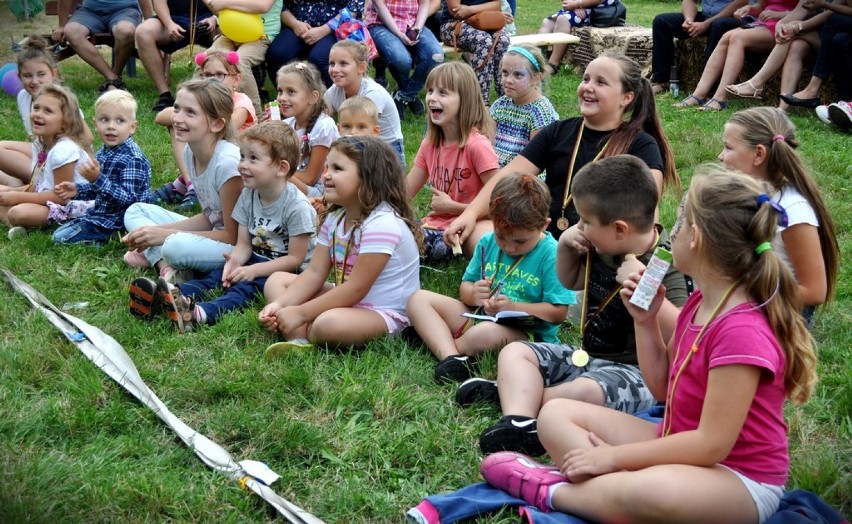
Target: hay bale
[{"x": 633, "y": 41}]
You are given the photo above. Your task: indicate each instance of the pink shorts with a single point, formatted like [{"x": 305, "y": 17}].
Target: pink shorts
[{"x": 396, "y": 322}]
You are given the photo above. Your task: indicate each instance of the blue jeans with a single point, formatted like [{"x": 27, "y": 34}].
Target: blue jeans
[
  {"x": 237, "y": 296},
  {"x": 79, "y": 231},
  {"x": 181, "y": 250},
  {"x": 288, "y": 47},
  {"x": 423, "y": 57}
]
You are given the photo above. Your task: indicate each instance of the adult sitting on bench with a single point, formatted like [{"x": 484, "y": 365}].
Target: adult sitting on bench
[
  {"x": 178, "y": 23},
  {"x": 119, "y": 17}
]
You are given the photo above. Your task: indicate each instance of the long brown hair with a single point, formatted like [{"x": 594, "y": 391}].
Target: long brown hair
[
  {"x": 311, "y": 81},
  {"x": 770, "y": 127},
  {"x": 725, "y": 207},
  {"x": 216, "y": 101},
  {"x": 73, "y": 125},
  {"x": 473, "y": 115}
]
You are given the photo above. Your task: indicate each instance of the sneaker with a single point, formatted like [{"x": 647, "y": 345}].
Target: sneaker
[
  {"x": 416, "y": 107},
  {"x": 17, "y": 232},
  {"x": 841, "y": 114},
  {"x": 400, "y": 105},
  {"x": 477, "y": 390},
  {"x": 411, "y": 336},
  {"x": 822, "y": 114},
  {"x": 136, "y": 259},
  {"x": 381, "y": 78},
  {"x": 145, "y": 301},
  {"x": 189, "y": 202},
  {"x": 521, "y": 477},
  {"x": 175, "y": 276},
  {"x": 276, "y": 350},
  {"x": 165, "y": 100},
  {"x": 177, "y": 307},
  {"x": 512, "y": 433},
  {"x": 455, "y": 368},
  {"x": 166, "y": 194}
]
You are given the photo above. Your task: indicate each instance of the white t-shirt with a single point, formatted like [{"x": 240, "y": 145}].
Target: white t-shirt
[
  {"x": 272, "y": 226},
  {"x": 391, "y": 129},
  {"x": 25, "y": 105},
  {"x": 222, "y": 167},
  {"x": 381, "y": 232},
  {"x": 323, "y": 134},
  {"x": 799, "y": 211},
  {"x": 63, "y": 152}
]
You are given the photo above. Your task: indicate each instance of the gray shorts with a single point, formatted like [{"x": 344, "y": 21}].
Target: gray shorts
[
  {"x": 623, "y": 385},
  {"x": 98, "y": 22}
]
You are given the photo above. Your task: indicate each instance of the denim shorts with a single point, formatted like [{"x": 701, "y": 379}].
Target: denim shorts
[
  {"x": 79, "y": 231},
  {"x": 98, "y": 22}
]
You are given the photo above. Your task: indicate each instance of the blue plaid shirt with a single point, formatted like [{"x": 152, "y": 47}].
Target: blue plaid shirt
[{"x": 125, "y": 179}]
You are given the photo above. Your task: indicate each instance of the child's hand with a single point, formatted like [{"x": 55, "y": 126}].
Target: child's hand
[
  {"x": 239, "y": 274},
  {"x": 640, "y": 316},
  {"x": 441, "y": 202},
  {"x": 629, "y": 265},
  {"x": 290, "y": 318},
  {"x": 145, "y": 237},
  {"x": 583, "y": 464},
  {"x": 574, "y": 239},
  {"x": 481, "y": 290},
  {"x": 89, "y": 168},
  {"x": 319, "y": 204},
  {"x": 267, "y": 316},
  {"x": 66, "y": 190},
  {"x": 497, "y": 303}
]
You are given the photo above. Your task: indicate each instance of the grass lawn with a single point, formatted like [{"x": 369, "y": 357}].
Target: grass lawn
[{"x": 357, "y": 436}]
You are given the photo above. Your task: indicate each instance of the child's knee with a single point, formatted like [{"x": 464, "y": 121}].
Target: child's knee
[{"x": 514, "y": 354}]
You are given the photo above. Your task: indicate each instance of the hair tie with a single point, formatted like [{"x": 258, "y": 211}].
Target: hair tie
[
  {"x": 200, "y": 58},
  {"x": 526, "y": 54},
  {"x": 232, "y": 57},
  {"x": 762, "y": 247},
  {"x": 776, "y": 138},
  {"x": 763, "y": 198}
]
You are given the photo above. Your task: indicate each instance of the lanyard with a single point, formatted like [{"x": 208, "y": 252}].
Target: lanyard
[
  {"x": 562, "y": 222},
  {"x": 341, "y": 277}
]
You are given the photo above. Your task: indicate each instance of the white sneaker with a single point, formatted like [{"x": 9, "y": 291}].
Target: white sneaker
[
  {"x": 17, "y": 231},
  {"x": 822, "y": 114},
  {"x": 841, "y": 114}
]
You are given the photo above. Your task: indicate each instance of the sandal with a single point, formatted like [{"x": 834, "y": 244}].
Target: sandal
[
  {"x": 686, "y": 101},
  {"x": 738, "y": 90},
  {"x": 659, "y": 87},
  {"x": 117, "y": 83},
  {"x": 721, "y": 105},
  {"x": 552, "y": 69}
]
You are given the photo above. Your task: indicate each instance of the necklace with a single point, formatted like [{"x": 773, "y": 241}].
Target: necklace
[
  {"x": 562, "y": 222},
  {"x": 668, "y": 412}
]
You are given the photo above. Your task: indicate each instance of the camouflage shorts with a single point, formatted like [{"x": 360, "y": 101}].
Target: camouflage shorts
[{"x": 622, "y": 384}]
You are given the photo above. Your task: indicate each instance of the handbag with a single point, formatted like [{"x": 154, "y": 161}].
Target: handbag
[
  {"x": 609, "y": 16},
  {"x": 487, "y": 20},
  {"x": 346, "y": 26}
]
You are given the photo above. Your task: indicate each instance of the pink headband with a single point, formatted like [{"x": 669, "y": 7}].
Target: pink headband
[
  {"x": 232, "y": 57},
  {"x": 776, "y": 138}
]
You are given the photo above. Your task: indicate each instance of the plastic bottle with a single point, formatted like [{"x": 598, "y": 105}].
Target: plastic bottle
[{"x": 674, "y": 82}]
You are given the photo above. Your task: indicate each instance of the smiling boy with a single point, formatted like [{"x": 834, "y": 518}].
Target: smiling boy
[{"x": 119, "y": 176}]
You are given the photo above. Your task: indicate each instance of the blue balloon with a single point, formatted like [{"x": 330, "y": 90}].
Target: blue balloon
[
  {"x": 8, "y": 67},
  {"x": 11, "y": 83}
]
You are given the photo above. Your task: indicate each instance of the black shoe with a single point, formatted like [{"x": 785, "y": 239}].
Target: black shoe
[
  {"x": 512, "y": 433},
  {"x": 416, "y": 107},
  {"x": 166, "y": 100},
  {"x": 117, "y": 83},
  {"x": 410, "y": 335},
  {"x": 188, "y": 202},
  {"x": 165, "y": 194},
  {"x": 477, "y": 390},
  {"x": 810, "y": 103},
  {"x": 381, "y": 78},
  {"x": 400, "y": 105},
  {"x": 455, "y": 368},
  {"x": 145, "y": 300}
]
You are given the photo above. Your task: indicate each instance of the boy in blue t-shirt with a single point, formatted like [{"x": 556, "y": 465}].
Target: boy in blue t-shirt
[
  {"x": 514, "y": 271},
  {"x": 276, "y": 232}
]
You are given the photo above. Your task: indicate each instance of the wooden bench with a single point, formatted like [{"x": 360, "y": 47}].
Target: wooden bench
[
  {"x": 537, "y": 40},
  {"x": 632, "y": 41},
  {"x": 61, "y": 52}
]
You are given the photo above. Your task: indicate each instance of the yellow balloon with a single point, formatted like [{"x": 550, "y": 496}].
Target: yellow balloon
[{"x": 240, "y": 27}]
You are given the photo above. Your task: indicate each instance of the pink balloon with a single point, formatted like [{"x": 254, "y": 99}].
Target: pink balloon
[{"x": 11, "y": 83}]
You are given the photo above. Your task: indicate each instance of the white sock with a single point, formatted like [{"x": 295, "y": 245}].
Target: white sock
[
  {"x": 299, "y": 341},
  {"x": 199, "y": 315},
  {"x": 550, "y": 491}
]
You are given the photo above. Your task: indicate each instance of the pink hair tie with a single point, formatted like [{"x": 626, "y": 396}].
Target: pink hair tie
[
  {"x": 199, "y": 59},
  {"x": 776, "y": 138},
  {"x": 233, "y": 57}
]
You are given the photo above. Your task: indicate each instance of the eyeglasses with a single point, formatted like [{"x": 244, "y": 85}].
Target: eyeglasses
[{"x": 218, "y": 76}]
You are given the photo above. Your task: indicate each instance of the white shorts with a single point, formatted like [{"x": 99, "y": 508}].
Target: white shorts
[{"x": 767, "y": 497}]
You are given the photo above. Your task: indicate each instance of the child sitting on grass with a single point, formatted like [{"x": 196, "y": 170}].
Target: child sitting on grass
[
  {"x": 358, "y": 116},
  {"x": 616, "y": 199},
  {"x": 276, "y": 226},
  {"x": 513, "y": 272},
  {"x": 119, "y": 176}
]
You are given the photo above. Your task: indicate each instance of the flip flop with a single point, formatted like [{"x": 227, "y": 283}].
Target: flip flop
[
  {"x": 685, "y": 102},
  {"x": 737, "y": 90},
  {"x": 723, "y": 104}
]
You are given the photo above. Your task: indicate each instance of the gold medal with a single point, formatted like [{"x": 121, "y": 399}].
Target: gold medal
[
  {"x": 562, "y": 223},
  {"x": 579, "y": 358}
]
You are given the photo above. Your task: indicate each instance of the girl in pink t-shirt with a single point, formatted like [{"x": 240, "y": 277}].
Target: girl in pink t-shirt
[
  {"x": 456, "y": 158},
  {"x": 739, "y": 349},
  {"x": 214, "y": 65}
]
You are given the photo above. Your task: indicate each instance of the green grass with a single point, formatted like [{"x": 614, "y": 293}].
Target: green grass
[{"x": 357, "y": 436}]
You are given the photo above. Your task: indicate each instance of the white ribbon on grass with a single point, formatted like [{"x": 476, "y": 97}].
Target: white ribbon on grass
[{"x": 111, "y": 358}]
